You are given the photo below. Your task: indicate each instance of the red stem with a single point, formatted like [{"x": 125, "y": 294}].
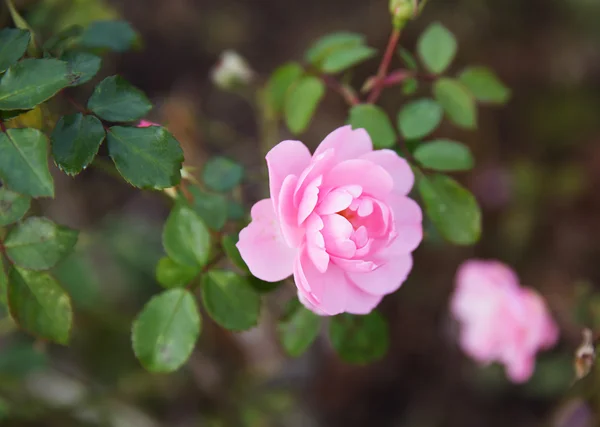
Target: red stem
[
  {"x": 346, "y": 93},
  {"x": 383, "y": 67},
  {"x": 2, "y": 126}
]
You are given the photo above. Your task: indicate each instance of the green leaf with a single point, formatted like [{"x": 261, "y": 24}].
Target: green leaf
[
  {"x": 24, "y": 162},
  {"x": 212, "y": 208},
  {"x": 38, "y": 244},
  {"x": 39, "y": 305},
  {"x": 222, "y": 174},
  {"x": 62, "y": 40},
  {"x": 32, "y": 81},
  {"x": 359, "y": 339},
  {"x": 78, "y": 276},
  {"x": 228, "y": 243},
  {"x": 280, "y": 82},
  {"x": 75, "y": 142},
  {"x": 444, "y": 155},
  {"x": 408, "y": 58},
  {"x": 410, "y": 86},
  {"x": 23, "y": 25},
  {"x": 3, "y": 288},
  {"x": 484, "y": 85},
  {"x": 166, "y": 330},
  {"x": 299, "y": 331},
  {"x": 345, "y": 58},
  {"x": 146, "y": 157},
  {"x": 456, "y": 100},
  {"x": 19, "y": 359},
  {"x": 114, "y": 35},
  {"x": 235, "y": 210},
  {"x": 436, "y": 47},
  {"x": 116, "y": 100},
  {"x": 419, "y": 118},
  {"x": 261, "y": 286},
  {"x": 331, "y": 43},
  {"x": 230, "y": 300},
  {"x": 13, "y": 44},
  {"x": 173, "y": 275},
  {"x": 301, "y": 103},
  {"x": 82, "y": 65},
  {"x": 376, "y": 122},
  {"x": 452, "y": 209},
  {"x": 185, "y": 237},
  {"x": 12, "y": 206}
]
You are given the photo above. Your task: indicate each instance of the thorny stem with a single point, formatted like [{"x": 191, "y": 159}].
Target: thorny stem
[
  {"x": 383, "y": 67},
  {"x": 346, "y": 92}
]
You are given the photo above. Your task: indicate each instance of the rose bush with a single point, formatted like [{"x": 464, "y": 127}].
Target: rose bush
[{"x": 340, "y": 221}]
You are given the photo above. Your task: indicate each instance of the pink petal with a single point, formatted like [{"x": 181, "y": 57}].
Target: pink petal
[
  {"x": 397, "y": 167},
  {"x": 359, "y": 302},
  {"x": 407, "y": 219},
  {"x": 146, "y": 123},
  {"x": 286, "y": 158},
  {"x": 316, "y": 168},
  {"x": 309, "y": 200},
  {"x": 385, "y": 279},
  {"x": 336, "y": 201},
  {"x": 327, "y": 289},
  {"x": 373, "y": 179},
  {"x": 262, "y": 246},
  {"x": 347, "y": 143},
  {"x": 292, "y": 234},
  {"x": 308, "y": 304}
]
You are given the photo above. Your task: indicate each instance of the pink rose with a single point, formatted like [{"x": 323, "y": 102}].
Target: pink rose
[
  {"x": 145, "y": 124},
  {"x": 340, "y": 221},
  {"x": 500, "y": 320}
]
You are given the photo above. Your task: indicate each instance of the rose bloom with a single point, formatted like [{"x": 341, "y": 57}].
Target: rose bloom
[
  {"x": 340, "y": 221},
  {"x": 500, "y": 320}
]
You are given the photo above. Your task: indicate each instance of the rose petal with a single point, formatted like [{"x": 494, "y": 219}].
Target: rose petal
[
  {"x": 286, "y": 158},
  {"x": 373, "y": 179},
  {"x": 385, "y": 279},
  {"x": 262, "y": 246},
  {"x": 358, "y": 301},
  {"x": 292, "y": 234},
  {"x": 408, "y": 219},
  {"x": 309, "y": 200},
  {"x": 396, "y": 166},
  {"x": 347, "y": 143}
]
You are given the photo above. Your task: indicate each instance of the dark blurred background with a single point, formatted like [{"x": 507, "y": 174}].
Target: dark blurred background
[{"x": 537, "y": 175}]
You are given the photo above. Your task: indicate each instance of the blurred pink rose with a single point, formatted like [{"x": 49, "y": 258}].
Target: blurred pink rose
[
  {"x": 145, "y": 124},
  {"x": 340, "y": 221},
  {"x": 500, "y": 320}
]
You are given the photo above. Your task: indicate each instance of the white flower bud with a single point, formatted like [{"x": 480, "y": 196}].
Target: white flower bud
[{"x": 232, "y": 70}]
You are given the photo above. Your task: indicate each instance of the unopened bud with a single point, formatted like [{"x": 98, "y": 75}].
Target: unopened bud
[
  {"x": 231, "y": 71},
  {"x": 402, "y": 11},
  {"x": 585, "y": 356}
]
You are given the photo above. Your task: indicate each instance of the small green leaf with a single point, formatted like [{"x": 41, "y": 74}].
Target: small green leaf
[
  {"x": 376, "y": 122},
  {"x": 444, "y": 155},
  {"x": 299, "y": 331},
  {"x": 410, "y": 86},
  {"x": 436, "y": 48},
  {"x": 38, "y": 244},
  {"x": 331, "y": 43},
  {"x": 166, "y": 330},
  {"x": 282, "y": 79},
  {"x": 117, "y": 100},
  {"x": 82, "y": 65},
  {"x": 13, "y": 44},
  {"x": 173, "y": 275},
  {"x": 235, "y": 210},
  {"x": 347, "y": 57},
  {"x": 79, "y": 277},
  {"x": 408, "y": 58},
  {"x": 228, "y": 243},
  {"x": 12, "y": 206},
  {"x": 230, "y": 300},
  {"x": 419, "y": 118},
  {"x": 114, "y": 35},
  {"x": 62, "y": 40},
  {"x": 485, "y": 85},
  {"x": 457, "y": 101},
  {"x": 146, "y": 157},
  {"x": 185, "y": 237},
  {"x": 301, "y": 103},
  {"x": 452, "y": 209},
  {"x": 222, "y": 174},
  {"x": 212, "y": 208},
  {"x": 359, "y": 339},
  {"x": 32, "y": 81},
  {"x": 18, "y": 359},
  {"x": 75, "y": 142},
  {"x": 24, "y": 162},
  {"x": 39, "y": 305}
]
